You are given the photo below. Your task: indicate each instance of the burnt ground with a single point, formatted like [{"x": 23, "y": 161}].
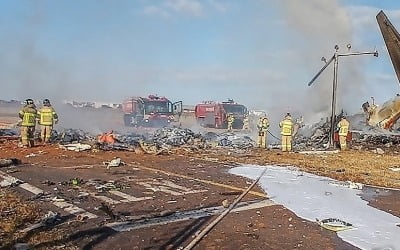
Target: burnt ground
[
  {"x": 384, "y": 199},
  {"x": 145, "y": 201}
]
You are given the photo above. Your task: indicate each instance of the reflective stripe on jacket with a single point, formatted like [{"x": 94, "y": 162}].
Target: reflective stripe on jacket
[
  {"x": 47, "y": 116},
  {"x": 286, "y": 127},
  {"x": 343, "y": 127},
  {"x": 28, "y": 116}
]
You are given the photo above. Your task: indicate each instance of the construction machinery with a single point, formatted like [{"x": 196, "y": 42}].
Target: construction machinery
[
  {"x": 386, "y": 115},
  {"x": 151, "y": 111},
  {"x": 214, "y": 114}
]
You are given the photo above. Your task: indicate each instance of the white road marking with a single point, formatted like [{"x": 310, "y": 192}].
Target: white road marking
[
  {"x": 168, "y": 187},
  {"x": 67, "y": 207},
  {"x": 128, "y": 197},
  {"x": 184, "y": 216},
  {"x": 105, "y": 199}
]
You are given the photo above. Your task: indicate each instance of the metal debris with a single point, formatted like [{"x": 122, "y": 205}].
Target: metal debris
[
  {"x": 347, "y": 184},
  {"x": 77, "y": 147},
  {"x": 334, "y": 224},
  {"x": 9, "y": 162},
  {"x": 49, "y": 219},
  {"x": 174, "y": 137},
  {"x": 108, "y": 211},
  {"x": 316, "y": 136},
  {"x": 21, "y": 246},
  {"x": 233, "y": 140},
  {"x": 71, "y": 136},
  {"x": 116, "y": 162},
  {"x": 8, "y": 132}
]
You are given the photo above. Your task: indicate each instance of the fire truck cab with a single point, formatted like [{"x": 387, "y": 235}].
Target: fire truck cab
[
  {"x": 214, "y": 114},
  {"x": 151, "y": 111}
]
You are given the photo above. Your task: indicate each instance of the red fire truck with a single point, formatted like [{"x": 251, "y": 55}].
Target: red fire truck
[
  {"x": 151, "y": 111},
  {"x": 214, "y": 114}
]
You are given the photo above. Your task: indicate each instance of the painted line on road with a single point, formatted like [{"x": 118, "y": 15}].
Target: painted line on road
[
  {"x": 67, "y": 207},
  {"x": 184, "y": 216},
  {"x": 167, "y": 186},
  {"x": 127, "y": 197},
  {"x": 259, "y": 194}
]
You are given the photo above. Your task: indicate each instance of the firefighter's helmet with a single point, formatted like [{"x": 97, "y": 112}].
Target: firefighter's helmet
[
  {"x": 29, "y": 102},
  {"x": 46, "y": 102}
]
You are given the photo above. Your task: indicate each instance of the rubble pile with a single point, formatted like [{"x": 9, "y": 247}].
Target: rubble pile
[
  {"x": 383, "y": 139},
  {"x": 315, "y": 136},
  {"x": 8, "y": 132},
  {"x": 229, "y": 139},
  {"x": 71, "y": 136},
  {"x": 163, "y": 138},
  {"x": 168, "y": 136},
  {"x": 125, "y": 142},
  {"x": 132, "y": 139}
]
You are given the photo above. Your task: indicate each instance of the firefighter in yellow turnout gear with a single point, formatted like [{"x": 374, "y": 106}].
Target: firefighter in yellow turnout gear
[
  {"x": 263, "y": 125},
  {"x": 230, "y": 119},
  {"x": 343, "y": 126},
  {"x": 246, "y": 123},
  {"x": 47, "y": 117},
  {"x": 286, "y": 126},
  {"x": 28, "y": 114}
]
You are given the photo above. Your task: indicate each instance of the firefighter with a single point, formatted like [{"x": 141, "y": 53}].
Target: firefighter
[
  {"x": 230, "y": 119},
  {"x": 263, "y": 125},
  {"x": 47, "y": 116},
  {"x": 286, "y": 126},
  {"x": 28, "y": 115},
  {"x": 246, "y": 122},
  {"x": 343, "y": 127}
]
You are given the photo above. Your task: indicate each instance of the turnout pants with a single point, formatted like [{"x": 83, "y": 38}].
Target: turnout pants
[
  {"x": 342, "y": 141},
  {"x": 45, "y": 133},
  {"x": 262, "y": 139},
  {"x": 286, "y": 143},
  {"x": 229, "y": 126},
  {"x": 27, "y": 136}
]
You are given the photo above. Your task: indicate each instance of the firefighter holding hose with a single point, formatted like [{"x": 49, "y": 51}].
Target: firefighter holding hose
[{"x": 263, "y": 125}]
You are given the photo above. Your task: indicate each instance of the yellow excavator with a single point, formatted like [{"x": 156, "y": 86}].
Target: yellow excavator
[{"x": 386, "y": 115}]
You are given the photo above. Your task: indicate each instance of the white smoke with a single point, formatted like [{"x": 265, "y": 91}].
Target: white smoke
[{"x": 317, "y": 26}]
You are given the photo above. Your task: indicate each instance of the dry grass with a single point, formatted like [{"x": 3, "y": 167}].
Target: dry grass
[
  {"x": 358, "y": 166},
  {"x": 15, "y": 214}
]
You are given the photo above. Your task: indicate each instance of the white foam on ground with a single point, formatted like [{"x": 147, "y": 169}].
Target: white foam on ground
[{"x": 310, "y": 196}]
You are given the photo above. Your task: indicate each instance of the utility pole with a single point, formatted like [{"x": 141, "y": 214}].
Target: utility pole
[{"x": 335, "y": 60}]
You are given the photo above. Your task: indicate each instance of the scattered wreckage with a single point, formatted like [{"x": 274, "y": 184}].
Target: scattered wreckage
[
  {"x": 161, "y": 140},
  {"x": 308, "y": 137},
  {"x": 362, "y": 135}
]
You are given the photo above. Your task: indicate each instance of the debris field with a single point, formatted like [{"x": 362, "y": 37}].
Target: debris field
[{"x": 157, "y": 191}]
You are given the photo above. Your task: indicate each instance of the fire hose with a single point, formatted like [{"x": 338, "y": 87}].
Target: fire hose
[
  {"x": 221, "y": 216},
  {"x": 273, "y": 135}
]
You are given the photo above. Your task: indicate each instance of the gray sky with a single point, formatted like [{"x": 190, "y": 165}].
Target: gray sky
[{"x": 260, "y": 53}]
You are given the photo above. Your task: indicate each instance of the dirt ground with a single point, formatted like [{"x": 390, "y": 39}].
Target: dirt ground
[
  {"x": 191, "y": 181},
  {"x": 163, "y": 201}
]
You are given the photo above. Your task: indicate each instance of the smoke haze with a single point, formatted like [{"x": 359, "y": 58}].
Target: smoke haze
[{"x": 261, "y": 54}]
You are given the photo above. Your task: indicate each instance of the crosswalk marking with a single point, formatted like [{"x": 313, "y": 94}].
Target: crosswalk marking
[
  {"x": 66, "y": 206},
  {"x": 128, "y": 197},
  {"x": 168, "y": 187}
]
